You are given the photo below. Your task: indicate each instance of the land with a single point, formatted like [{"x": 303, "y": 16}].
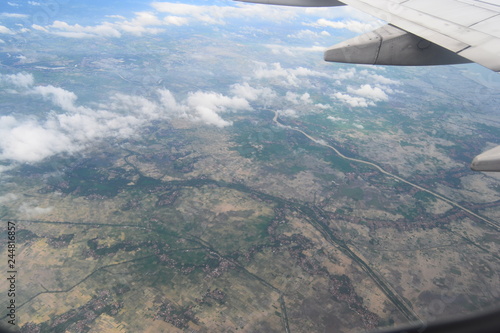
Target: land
[
  {"x": 273, "y": 241},
  {"x": 261, "y": 226}
]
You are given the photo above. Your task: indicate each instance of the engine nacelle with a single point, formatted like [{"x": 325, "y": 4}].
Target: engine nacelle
[
  {"x": 487, "y": 161},
  {"x": 389, "y": 45}
]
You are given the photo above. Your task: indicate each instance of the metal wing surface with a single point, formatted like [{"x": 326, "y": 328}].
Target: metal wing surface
[
  {"x": 468, "y": 28},
  {"x": 419, "y": 32}
]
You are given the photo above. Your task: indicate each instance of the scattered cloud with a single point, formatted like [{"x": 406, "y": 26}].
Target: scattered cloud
[
  {"x": 72, "y": 127},
  {"x": 208, "y": 105},
  {"x": 162, "y": 14},
  {"x": 141, "y": 23},
  {"x": 367, "y": 94},
  {"x": 288, "y": 113},
  {"x": 344, "y": 74},
  {"x": 27, "y": 141},
  {"x": 366, "y": 90},
  {"x": 293, "y": 51},
  {"x": 14, "y": 15},
  {"x": 60, "y": 97},
  {"x": 219, "y": 14},
  {"x": 22, "y": 59},
  {"x": 379, "y": 78},
  {"x": 353, "y": 100},
  {"x": 333, "y": 118},
  {"x": 22, "y": 80},
  {"x": 244, "y": 90},
  {"x": 6, "y": 31},
  {"x": 77, "y": 31},
  {"x": 286, "y": 76},
  {"x": 7, "y": 198},
  {"x": 309, "y": 34},
  {"x": 116, "y": 16},
  {"x": 359, "y": 126},
  {"x": 322, "y": 106},
  {"x": 30, "y": 211},
  {"x": 39, "y": 28},
  {"x": 176, "y": 20},
  {"x": 297, "y": 98},
  {"x": 177, "y": 14}
]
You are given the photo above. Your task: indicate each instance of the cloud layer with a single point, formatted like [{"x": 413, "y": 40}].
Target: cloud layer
[
  {"x": 367, "y": 94},
  {"x": 164, "y": 15},
  {"x": 71, "y": 127}
]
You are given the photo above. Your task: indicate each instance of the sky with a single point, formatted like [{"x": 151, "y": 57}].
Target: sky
[{"x": 75, "y": 74}]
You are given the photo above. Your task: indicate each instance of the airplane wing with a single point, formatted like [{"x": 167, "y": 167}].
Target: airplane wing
[
  {"x": 419, "y": 32},
  {"x": 422, "y": 32},
  {"x": 467, "y": 28}
]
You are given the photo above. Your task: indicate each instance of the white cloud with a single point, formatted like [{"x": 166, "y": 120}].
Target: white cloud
[
  {"x": 176, "y": 20},
  {"x": 297, "y": 98},
  {"x": 167, "y": 100},
  {"x": 77, "y": 31},
  {"x": 344, "y": 74},
  {"x": 72, "y": 34},
  {"x": 140, "y": 24},
  {"x": 379, "y": 78},
  {"x": 288, "y": 113},
  {"x": 30, "y": 142},
  {"x": 30, "y": 211},
  {"x": 367, "y": 94},
  {"x": 14, "y": 15},
  {"x": 322, "y": 106},
  {"x": 27, "y": 139},
  {"x": 244, "y": 90},
  {"x": 22, "y": 80},
  {"x": 34, "y": 3},
  {"x": 179, "y": 14},
  {"x": 7, "y": 198},
  {"x": 358, "y": 126},
  {"x": 333, "y": 118},
  {"x": 219, "y": 14},
  {"x": 208, "y": 105},
  {"x": 309, "y": 34},
  {"x": 60, "y": 97},
  {"x": 352, "y": 100},
  {"x": 22, "y": 59},
  {"x": 151, "y": 22},
  {"x": 116, "y": 16},
  {"x": 286, "y": 76},
  {"x": 39, "y": 28},
  {"x": 5, "y": 30},
  {"x": 145, "y": 19},
  {"x": 366, "y": 90},
  {"x": 293, "y": 51}
]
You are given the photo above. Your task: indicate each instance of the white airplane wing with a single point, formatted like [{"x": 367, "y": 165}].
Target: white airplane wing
[
  {"x": 468, "y": 28},
  {"x": 419, "y": 32},
  {"x": 422, "y": 32}
]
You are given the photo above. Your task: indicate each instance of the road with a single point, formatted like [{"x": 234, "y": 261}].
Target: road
[{"x": 495, "y": 225}]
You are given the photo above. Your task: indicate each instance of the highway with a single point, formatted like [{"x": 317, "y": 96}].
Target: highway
[{"x": 495, "y": 225}]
